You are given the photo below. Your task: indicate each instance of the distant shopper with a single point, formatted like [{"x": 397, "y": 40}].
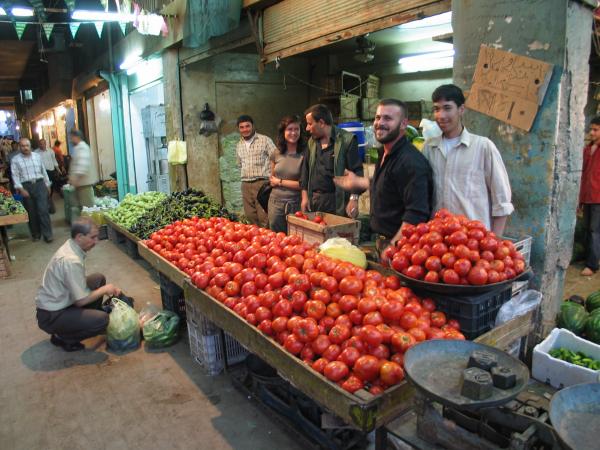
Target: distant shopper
[
  {"x": 286, "y": 168},
  {"x": 52, "y": 169},
  {"x": 32, "y": 182},
  {"x": 402, "y": 186},
  {"x": 468, "y": 172},
  {"x": 60, "y": 158},
  {"x": 254, "y": 152},
  {"x": 589, "y": 198},
  {"x": 331, "y": 151},
  {"x": 80, "y": 170},
  {"x": 66, "y": 296}
]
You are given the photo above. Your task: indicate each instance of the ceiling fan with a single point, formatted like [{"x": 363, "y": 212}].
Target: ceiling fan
[{"x": 364, "y": 49}]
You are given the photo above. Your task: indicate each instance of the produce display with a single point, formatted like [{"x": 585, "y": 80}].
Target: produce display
[
  {"x": 577, "y": 358},
  {"x": 8, "y": 206},
  {"x": 350, "y": 324},
  {"x": 452, "y": 249},
  {"x": 317, "y": 219},
  {"x": 5, "y": 192},
  {"x": 178, "y": 206},
  {"x": 133, "y": 207},
  {"x": 581, "y": 320}
]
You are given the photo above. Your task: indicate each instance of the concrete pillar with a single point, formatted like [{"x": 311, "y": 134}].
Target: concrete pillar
[
  {"x": 173, "y": 119},
  {"x": 544, "y": 164}
]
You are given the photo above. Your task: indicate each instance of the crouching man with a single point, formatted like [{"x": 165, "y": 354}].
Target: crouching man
[{"x": 68, "y": 301}]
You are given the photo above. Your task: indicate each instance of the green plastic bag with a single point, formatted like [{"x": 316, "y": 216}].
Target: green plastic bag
[
  {"x": 161, "y": 330},
  {"x": 123, "y": 330}
]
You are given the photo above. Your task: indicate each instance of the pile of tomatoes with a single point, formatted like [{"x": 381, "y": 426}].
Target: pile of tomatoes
[
  {"x": 349, "y": 324},
  {"x": 454, "y": 250}
]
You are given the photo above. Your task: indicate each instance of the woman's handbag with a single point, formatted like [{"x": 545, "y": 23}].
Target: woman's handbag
[{"x": 263, "y": 196}]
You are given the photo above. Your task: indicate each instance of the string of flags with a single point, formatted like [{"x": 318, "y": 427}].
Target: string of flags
[{"x": 73, "y": 27}]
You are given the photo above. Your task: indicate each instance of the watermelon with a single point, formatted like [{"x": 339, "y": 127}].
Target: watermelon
[
  {"x": 572, "y": 316},
  {"x": 592, "y": 326},
  {"x": 593, "y": 301}
]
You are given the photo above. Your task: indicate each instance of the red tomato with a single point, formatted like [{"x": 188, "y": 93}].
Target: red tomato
[
  {"x": 392, "y": 310},
  {"x": 419, "y": 257},
  {"x": 321, "y": 295},
  {"x": 376, "y": 390},
  {"x": 332, "y": 352},
  {"x": 418, "y": 333},
  {"x": 453, "y": 323},
  {"x": 366, "y": 368},
  {"x": 339, "y": 333},
  {"x": 381, "y": 352},
  {"x": 392, "y": 282},
  {"x": 450, "y": 277},
  {"x": 320, "y": 344},
  {"x": 477, "y": 276},
  {"x": 341, "y": 271},
  {"x": 372, "y": 318},
  {"x": 355, "y": 342},
  {"x": 400, "y": 262},
  {"x": 352, "y": 384},
  {"x": 439, "y": 249},
  {"x": 432, "y": 277},
  {"x": 348, "y": 303},
  {"x": 200, "y": 280},
  {"x": 307, "y": 354},
  {"x": 414, "y": 307},
  {"x": 299, "y": 299},
  {"x": 327, "y": 323},
  {"x": 438, "y": 319},
  {"x": 415, "y": 271},
  {"x": 306, "y": 330},
  {"x": 448, "y": 260},
  {"x": 279, "y": 324},
  {"x": 489, "y": 243},
  {"x": 408, "y": 320},
  {"x": 462, "y": 267},
  {"x": 349, "y": 356},
  {"x": 351, "y": 285},
  {"x": 319, "y": 365},
  {"x": 282, "y": 308},
  {"x": 356, "y": 317},
  {"x": 330, "y": 284},
  {"x": 334, "y": 310},
  {"x": 402, "y": 341},
  {"x": 367, "y": 305},
  {"x": 371, "y": 336},
  {"x": 435, "y": 333},
  {"x": 266, "y": 327},
  {"x": 391, "y": 373},
  {"x": 293, "y": 344},
  {"x": 300, "y": 282},
  {"x": 262, "y": 313},
  {"x": 458, "y": 238}
]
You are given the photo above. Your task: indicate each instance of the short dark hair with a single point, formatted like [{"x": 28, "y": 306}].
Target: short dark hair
[
  {"x": 57, "y": 142},
  {"x": 450, "y": 93},
  {"x": 76, "y": 133},
  {"x": 245, "y": 118},
  {"x": 82, "y": 225},
  {"x": 395, "y": 102},
  {"x": 595, "y": 121},
  {"x": 281, "y": 142},
  {"x": 320, "y": 112}
]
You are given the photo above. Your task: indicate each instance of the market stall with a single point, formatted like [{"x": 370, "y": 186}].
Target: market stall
[{"x": 12, "y": 212}]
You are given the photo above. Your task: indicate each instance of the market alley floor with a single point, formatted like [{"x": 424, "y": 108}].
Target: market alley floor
[{"x": 52, "y": 400}]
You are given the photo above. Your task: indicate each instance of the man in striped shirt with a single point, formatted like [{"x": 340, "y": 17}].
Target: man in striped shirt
[
  {"x": 32, "y": 182},
  {"x": 254, "y": 153}
]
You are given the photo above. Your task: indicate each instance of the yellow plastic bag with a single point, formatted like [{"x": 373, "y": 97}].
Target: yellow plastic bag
[{"x": 177, "y": 152}]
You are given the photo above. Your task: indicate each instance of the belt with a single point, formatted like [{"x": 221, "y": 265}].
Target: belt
[
  {"x": 324, "y": 192},
  {"x": 254, "y": 180},
  {"x": 32, "y": 181}
]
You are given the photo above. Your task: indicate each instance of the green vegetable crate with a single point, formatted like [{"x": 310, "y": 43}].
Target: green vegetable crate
[{"x": 549, "y": 367}]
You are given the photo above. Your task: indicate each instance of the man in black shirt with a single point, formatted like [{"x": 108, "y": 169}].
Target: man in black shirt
[
  {"x": 331, "y": 150},
  {"x": 402, "y": 186}
]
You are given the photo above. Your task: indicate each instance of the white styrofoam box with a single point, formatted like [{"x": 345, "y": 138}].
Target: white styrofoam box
[{"x": 559, "y": 373}]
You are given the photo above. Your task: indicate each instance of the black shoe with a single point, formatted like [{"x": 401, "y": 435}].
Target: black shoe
[
  {"x": 48, "y": 240},
  {"x": 35, "y": 239},
  {"x": 66, "y": 346}
]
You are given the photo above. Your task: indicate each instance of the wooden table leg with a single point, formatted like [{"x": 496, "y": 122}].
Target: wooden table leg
[{"x": 5, "y": 240}]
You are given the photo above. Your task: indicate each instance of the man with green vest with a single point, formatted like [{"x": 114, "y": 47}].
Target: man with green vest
[{"x": 331, "y": 151}]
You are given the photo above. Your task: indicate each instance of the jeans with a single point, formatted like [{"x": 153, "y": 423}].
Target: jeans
[
  {"x": 37, "y": 209},
  {"x": 591, "y": 220}
]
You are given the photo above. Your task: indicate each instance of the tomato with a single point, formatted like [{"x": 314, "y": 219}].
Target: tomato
[
  {"x": 373, "y": 318},
  {"x": 356, "y": 342},
  {"x": 300, "y": 282},
  {"x": 351, "y": 285},
  {"x": 438, "y": 319},
  {"x": 344, "y": 320},
  {"x": 321, "y": 295},
  {"x": 376, "y": 390},
  {"x": 200, "y": 280},
  {"x": 488, "y": 243},
  {"x": 339, "y": 333},
  {"x": 414, "y": 307},
  {"x": 477, "y": 276},
  {"x": 320, "y": 344},
  {"x": 392, "y": 282},
  {"x": 332, "y": 352},
  {"x": 232, "y": 288},
  {"x": 356, "y": 317},
  {"x": 319, "y": 365},
  {"x": 366, "y": 368},
  {"x": 458, "y": 238},
  {"x": 261, "y": 280},
  {"x": 330, "y": 284},
  {"x": 435, "y": 333},
  {"x": 293, "y": 345},
  {"x": 418, "y": 333},
  {"x": 398, "y": 358},
  {"x": 282, "y": 308},
  {"x": 307, "y": 354},
  {"x": 400, "y": 262},
  {"x": 327, "y": 323},
  {"x": 415, "y": 271},
  {"x": 341, "y": 271},
  {"x": 349, "y": 355},
  {"x": 391, "y": 373},
  {"x": 381, "y": 352},
  {"x": 367, "y": 305},
  {"x": 453, "y": 323},
  {"x": 276, "y": 280},
  {"x": 392, "y": 310},
  {"x": 402, "y": 341},
  {"x": 408, "y": 320},
  {"x": 352, "y": 384},
  {"x": 262, "y": 313},
  {"x": 334, "y": 310},
  {"x": 371, "y": 336},
  {"x": 519, "y": 266},
  {"x": 266, "y": 327},
  {"x": 306, "y": 330},
  {"x": 419, "y": 257},
  {"x": 455, "y": 335},
  {"x": 279, "y": 324},
  {"x": 462, "y": 267},
  {"x": 299, "y": 299},
  {"x": 450, "y": 277}
]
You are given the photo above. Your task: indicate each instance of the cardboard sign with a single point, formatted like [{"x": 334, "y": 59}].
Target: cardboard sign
[{"x": 508, "y": 87}]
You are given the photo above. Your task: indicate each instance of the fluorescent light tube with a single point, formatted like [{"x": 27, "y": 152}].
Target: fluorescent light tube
[
  {"x": 98, "y": 16},
  {"x": 22, "y": 12}
]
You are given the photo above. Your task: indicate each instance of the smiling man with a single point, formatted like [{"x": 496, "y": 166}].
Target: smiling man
[
  {"x": 254, "y": 152},
  {"x": 402, "y": 186},
  {"x": 468, "y": 172}
]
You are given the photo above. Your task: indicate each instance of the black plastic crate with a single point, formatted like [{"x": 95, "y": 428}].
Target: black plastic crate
[
  {"x": 475, "y": 314},
  {"x": 114, "y": 236},
  {"x": 102, "y": 232},
  {"x": 172, "y": 297},
  {"x": 132, "y": 249}
]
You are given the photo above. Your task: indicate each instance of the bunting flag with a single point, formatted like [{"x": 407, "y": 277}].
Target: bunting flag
[
  {"x": 123, "y": 26},
  {"x": 20, "y": 28},
  {"x": 48, "y": 27},
  {"x": 74, "y": 26},
  {"x": 99, "y": 26}
]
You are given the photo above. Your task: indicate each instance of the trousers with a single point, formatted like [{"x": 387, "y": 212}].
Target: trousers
[
  {"x": 74, "y": 324},
  {"x": 37, "y": 209},
  {"x": 252, "y": 209},
  {"x": 591, "y": 220}
]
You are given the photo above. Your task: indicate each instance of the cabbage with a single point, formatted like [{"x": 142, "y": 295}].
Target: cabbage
[{"x": 342, "y": 249}]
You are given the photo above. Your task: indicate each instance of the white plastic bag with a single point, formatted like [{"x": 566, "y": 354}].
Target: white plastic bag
[
  {"x": 521, "y": 304},
  {"x": 148, "y": 312},
  {"x": 123, "y": 330},
  {"x": 342, "y": 249},
  {"x": 430, "y": 129}
]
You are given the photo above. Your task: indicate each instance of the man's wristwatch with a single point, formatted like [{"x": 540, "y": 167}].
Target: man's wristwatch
[{"x": 354, "y": 197}]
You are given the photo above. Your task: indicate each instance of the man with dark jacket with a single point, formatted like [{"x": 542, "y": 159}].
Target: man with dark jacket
[
  {"x": 402, "y": 186},
  {"x": 331, "y": 151}
]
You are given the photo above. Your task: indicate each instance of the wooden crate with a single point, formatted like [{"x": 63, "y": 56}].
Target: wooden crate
[
  {"x": 4, "y": 262},
  {"x": 336, "y": 226},
  {"x": 13, "y": 219}
]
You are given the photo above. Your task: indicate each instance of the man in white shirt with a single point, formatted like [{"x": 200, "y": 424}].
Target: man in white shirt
[
  {"x": 52, "y": 169},
  {"x": 66, "y": 294},
  {"x": 80, "y": 170},
  {"x": 468, "y": 173},
  {"x": 31, "y": 181}
]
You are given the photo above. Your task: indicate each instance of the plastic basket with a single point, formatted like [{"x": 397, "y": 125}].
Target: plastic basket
[
  {"x": 194, "y": 316},
  {"x": 172, "y": 297},
  {"x": 102, "y": 232},
  {"x": 475, "y": 314},
  {"x": 523, "y": 245},
  {"x": 114, "y": 236},
  {"x": 207, "y": 351},
  {"x": 131, "y": 249}
]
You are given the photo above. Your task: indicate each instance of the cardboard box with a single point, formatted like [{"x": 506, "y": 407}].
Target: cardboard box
[
  {"x": 348, "y": 107},
  {"x": 559, "y": 373},
  {"x": 336, "y": 226},
  {"x": 368, "y": 108}
]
